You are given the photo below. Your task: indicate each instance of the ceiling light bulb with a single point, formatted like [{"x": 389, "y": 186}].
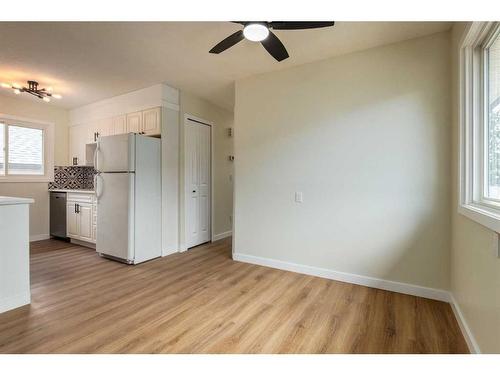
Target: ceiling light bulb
[
  {"x": 255, "y": 32},
  {"x": 46, "y": 99},
  {"x": 17, "y": 91},
  {"x": 3, "y": 84},
  {"x": 57, "y": 96}
]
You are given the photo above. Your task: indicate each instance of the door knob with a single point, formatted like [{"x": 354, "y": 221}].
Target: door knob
[{"x": 194, "y": 191}]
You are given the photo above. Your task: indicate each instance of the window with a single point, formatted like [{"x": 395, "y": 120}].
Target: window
[
  {"x": 25, "y": 150},
  {"x": 480, "y": 124},
  {"x": 492, "y": 60}
]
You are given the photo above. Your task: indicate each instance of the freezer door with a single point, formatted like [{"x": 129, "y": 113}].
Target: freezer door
[
  {"x": 115, "y": 215},
  {"x": 116, "y": 153}
]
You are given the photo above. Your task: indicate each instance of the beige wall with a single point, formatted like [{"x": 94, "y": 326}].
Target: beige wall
[
  {"x": 366, "y": 138},
  {"x": 39, "y": 211},
  {"x": 475, "y": 270},
  {"x": 222, "y": 168}
]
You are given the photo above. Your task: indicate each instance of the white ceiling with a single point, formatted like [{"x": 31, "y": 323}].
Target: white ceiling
[{"x": 88, "y": 61}]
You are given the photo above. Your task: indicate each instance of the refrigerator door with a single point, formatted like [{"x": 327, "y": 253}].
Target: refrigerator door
[
  {"x": 115, "y": 153},
  {"x": 115, "y": 215},
  {"x": 147, "y": 199}
]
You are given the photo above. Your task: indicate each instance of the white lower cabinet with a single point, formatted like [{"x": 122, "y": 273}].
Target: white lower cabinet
[
  {"x": 72, "y": 218},
  {"x": 81, "y": 213},
  {"x": 85, "y": 216}
]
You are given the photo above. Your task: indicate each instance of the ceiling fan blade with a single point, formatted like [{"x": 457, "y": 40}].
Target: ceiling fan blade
[
  {"x": 299, "y": 25},
  {"x": 230, "y": 41},
  {"x": 274, "y": 46}
]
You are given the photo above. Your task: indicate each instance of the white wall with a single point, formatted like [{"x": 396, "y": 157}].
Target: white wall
[
  {"x": 475, "y": 271},
  {"x": 39, "y": 211},
  {"x": 222, "y": 168},
  {"x": 366, "y": 138}
]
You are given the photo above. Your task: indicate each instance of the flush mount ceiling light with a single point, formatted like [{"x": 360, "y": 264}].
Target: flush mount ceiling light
[
  {"x": 260, "y": 31},
  {"x": 44, "y": 94}
]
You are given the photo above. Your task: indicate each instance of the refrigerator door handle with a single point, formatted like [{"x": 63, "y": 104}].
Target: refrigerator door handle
[
  {"x": 98, "y": 192},
  {"x": 96, "y": 156}
]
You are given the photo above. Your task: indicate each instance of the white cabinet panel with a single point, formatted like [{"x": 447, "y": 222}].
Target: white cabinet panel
[
  {"x": 81, "y": 216},
  {"x": 134, "y": 122},
  {"x": 105, "y": 127},
  {"x": 151, "y": 121},
  {"x": 77, "y": 142},
  {"x": 85, "y": 218},
  {"x": 120, "y": 124},
  {"x": 72, "y": 220}
]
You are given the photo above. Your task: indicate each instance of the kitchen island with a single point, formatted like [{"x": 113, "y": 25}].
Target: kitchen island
[{"x": 14, "y": 252}]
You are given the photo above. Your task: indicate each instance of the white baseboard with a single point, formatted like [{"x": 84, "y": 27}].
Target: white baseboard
[
  {"x": 464, "y": 327},
  {"x": 13, "y": 302},
  {"x": 220, "y": 236},
  {"x": 372, "y": 282},
  {"x": 39, "y": 237}
]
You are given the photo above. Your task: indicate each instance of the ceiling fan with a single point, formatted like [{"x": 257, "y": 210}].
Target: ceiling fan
[{"x": 260, "y": 31}]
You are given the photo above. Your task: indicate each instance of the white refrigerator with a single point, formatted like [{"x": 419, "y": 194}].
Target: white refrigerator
[{"x": 128, "y": 194}]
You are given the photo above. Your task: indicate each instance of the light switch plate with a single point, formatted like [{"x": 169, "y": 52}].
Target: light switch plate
[{"x": 298, "y": 197}]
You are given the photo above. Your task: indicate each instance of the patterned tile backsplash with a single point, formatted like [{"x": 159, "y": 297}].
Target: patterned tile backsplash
[{"x": 77, "y": 178}]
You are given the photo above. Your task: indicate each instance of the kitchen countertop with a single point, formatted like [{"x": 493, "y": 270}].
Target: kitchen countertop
[
  {"x": 4, "y": 201},
  {"x": 72, "y": 191}
]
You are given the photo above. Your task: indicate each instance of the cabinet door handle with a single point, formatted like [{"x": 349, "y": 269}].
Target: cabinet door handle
[{"x": 75, "y": 208}]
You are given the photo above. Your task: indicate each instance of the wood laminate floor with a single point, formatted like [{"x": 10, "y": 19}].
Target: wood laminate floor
[{"x": 202, "y": 301}]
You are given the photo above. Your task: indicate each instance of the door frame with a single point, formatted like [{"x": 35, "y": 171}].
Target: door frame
[{"x": 188, "y": 117}]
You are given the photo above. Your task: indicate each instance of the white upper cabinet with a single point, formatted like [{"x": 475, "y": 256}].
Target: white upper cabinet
[
  {"x": 105, "y": 127},
  {"x": 147, "y": 122},
  {"x": 77, "y": 138},
  {"x": 120, "y": 124},
  {"x": 151, "y": 123},
  {"x": 134, "y": 122}
]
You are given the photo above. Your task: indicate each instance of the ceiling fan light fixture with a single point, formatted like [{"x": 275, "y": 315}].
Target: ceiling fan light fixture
[{"x": 256, "y": 32}]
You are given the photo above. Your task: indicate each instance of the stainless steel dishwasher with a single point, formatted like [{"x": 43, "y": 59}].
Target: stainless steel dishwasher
[{"x": 58, "y": 214}]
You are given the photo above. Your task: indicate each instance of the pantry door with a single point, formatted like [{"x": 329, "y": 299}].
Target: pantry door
[{"x": 197, "y": 182}]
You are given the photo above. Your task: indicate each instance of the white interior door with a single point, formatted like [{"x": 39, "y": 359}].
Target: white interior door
[{"x": 198, "y": 170}]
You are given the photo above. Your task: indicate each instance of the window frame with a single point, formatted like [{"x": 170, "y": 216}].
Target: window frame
[
  {"x": 473, "y": 201},
  {"x": 48, "y": 148}
]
